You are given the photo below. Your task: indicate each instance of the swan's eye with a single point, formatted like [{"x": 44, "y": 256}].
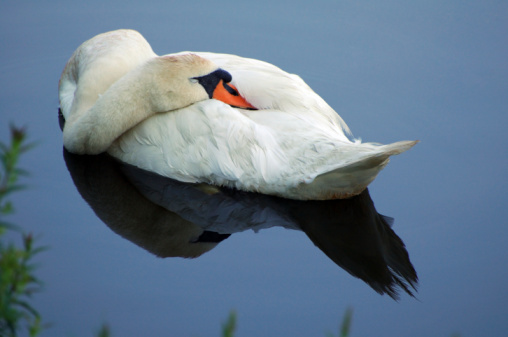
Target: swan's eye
[
  {"x": 229, "y": 89},
  {"x": 193, "y": 80}
]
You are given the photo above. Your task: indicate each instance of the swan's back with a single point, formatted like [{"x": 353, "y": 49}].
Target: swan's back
[{"x": 268, "y": 87}]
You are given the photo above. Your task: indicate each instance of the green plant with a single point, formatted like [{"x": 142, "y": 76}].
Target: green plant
[
  {"x": 9, "y": 170},
  {"x": 104, "y": 331},
  {"x": 345, "y": 326},
  {"x": 229, "y": 327},
  {"x": 17, "y": 279}
]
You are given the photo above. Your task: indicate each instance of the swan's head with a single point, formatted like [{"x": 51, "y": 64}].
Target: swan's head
[
  {"x": 161, "y": 84},
  {"x": 184, "y": 79}
]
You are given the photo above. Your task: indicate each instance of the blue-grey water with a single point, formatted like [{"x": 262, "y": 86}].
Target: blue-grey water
[{"x": 429, "y": 70}]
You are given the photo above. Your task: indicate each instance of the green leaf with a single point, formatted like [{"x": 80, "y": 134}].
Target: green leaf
[
  {"x": 229, "y": 327},
  {"x": 345, "y": 326},
  {"x": 17, "y": 279},
  {"x": 104, "y": 331},
  {"x": 27, "y": 307}
]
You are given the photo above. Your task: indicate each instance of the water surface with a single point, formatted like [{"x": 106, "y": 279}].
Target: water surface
[{"x": 426, "y": 70}]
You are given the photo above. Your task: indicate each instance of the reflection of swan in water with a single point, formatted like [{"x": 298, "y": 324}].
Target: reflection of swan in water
[
  {"x": 121, "y": 207},
  {"x": 170, "y": 218}
]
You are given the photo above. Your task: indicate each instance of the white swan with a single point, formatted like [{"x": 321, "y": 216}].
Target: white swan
[{"x": 156, "y": 112}]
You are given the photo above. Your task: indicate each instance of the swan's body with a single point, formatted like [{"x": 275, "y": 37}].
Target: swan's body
[{"x": 294, "y": 145}]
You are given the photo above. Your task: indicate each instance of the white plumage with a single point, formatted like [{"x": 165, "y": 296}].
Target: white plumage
[{"x": 294, "y": 146}]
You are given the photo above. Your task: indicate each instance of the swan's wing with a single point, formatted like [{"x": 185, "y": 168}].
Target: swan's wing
[
  {"x": 321, "y": 165},
  {"x": 268, "y": 87},
  {"x": 210, "y": 142},
  {"x": 207, "y": 142}
]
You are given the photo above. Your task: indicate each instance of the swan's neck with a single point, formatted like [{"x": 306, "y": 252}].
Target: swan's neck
[
  {"x": 122, "y": 106},
  {"x": 133, "y": 98}
]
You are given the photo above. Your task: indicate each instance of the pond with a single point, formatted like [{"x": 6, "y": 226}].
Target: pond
[{"x": 428, "y": 70}]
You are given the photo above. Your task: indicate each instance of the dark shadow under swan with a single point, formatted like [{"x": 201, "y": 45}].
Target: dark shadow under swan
[{"x": 169, "y": 218}]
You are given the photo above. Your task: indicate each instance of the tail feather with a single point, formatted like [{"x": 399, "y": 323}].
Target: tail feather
[
  {"x": 351, "y": 179},
  {"x": 398, "y": 147}
]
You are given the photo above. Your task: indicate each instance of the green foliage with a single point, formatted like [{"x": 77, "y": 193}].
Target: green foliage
[
  {"x": 346, "y": 323},
  {"x": 229, "y": 327},
  {"x": 104, "y": 331},
  {"x": 9, "y": 157},
  {"x": 17, "y": 280},
  {"x": 345, "y": 326}
]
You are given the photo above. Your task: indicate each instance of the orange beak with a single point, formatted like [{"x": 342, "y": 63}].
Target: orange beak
[{"x": 228, "y": 94}]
